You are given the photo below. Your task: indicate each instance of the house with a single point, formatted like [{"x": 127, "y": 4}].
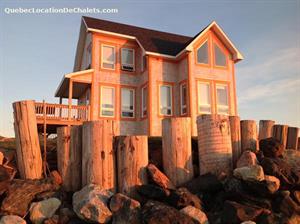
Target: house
[{"x": 138, "y": 76}]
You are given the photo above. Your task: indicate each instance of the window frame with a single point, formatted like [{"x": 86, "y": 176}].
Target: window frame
[
  {"x": 210, "y": 97},
  {"x": 133, "y": 59},
  {"x": 114, "y": 103},
  {"x": 134, "y": 102},
  {"x": 142, "y": 101},
  {"x": 181, "y": 85},
  {"x": 107, "y": 62},
  {"x": 89, "y": 56},
  {"x": 228, "y": 98},
  {"x": 207, "y": 40},
  {"x": 214, "y": 55},
  {"x": 171, "y": 85}
]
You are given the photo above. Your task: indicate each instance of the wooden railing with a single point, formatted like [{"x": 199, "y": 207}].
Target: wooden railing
[{"x": 61, "y": 112}]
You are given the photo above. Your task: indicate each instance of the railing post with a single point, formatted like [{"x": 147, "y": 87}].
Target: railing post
[
  {"x": 70, "y": 98},
  {"x": 45, "y": 139}
]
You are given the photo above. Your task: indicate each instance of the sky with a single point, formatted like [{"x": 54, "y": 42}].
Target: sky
[{"x": 36, "y": 50}]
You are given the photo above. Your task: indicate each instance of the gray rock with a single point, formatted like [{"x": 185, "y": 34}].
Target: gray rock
[
  {"x": 196, "y": 214},
  {"x": 12, "y": 219},
  {"x": 248, "y": 158},
  {"x": 254, "y": 172}
]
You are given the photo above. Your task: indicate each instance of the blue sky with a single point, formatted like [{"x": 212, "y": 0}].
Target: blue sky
[{"x": 36, "y": 50}]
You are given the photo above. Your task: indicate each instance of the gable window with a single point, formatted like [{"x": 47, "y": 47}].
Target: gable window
[
  {"x": 220, "y": 58},
  {"x": 222, "y": 99},
  {"x": 127, "y": 101},
  {"x": 107, "y": 101},
  {"x": 127, "y": 58},
  {"x": 144, "y": 101},
  {"x": 89, "y": 57},
  {"x": 165, "y": 100},
  {"x": 204, "y": 97},
  {"x": 183, "y": 99},
  {"x": 202, "y": 53},
  {"x": 108, "y": 57}
]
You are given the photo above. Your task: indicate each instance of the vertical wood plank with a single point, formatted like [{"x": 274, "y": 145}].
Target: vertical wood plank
[
  {"x": 292, "y": 138},
  {"x": 280, "y": 133},
  {"x": 249, "y": 135},
  {"x": 265, "y": 129},
  {"x": 235, "y": 130}
]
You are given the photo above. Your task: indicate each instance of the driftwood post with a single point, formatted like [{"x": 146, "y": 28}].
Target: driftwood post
[
  {"x": 235, "y": 130},
  {"x": 177, "y": 149},
  {"x": 98, "y": 159},
  {"x": 292, "y": 138},
  {"x": 280, "y": 133},
  {"x": 249, "y": 135},
  {"x": 63, "y": 156},
  {"x": 214, "y": 144},
  {"x": 28, "y": 149},
  {"x": 76, "y": 157},
  {"x": 132, "y": 159},
  {"x": 265, "y": 129}
]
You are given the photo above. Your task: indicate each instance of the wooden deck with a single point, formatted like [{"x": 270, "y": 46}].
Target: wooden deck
[{"x": 55, "y": 115}]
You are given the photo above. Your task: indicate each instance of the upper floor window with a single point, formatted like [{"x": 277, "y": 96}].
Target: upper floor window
[
  {"x": 127, "y": 101},
  {"x": 202, "y": 53},
  {"x": 127, "y": 59},
  {"x": 204, "y": 97},
  {"x": 183, "y": 99},
  {"x": 108, "y": 57},
  {"x": 89, "y": 57},
  {"x": 220, "y": 58},
  {"x": 107, "y": 101},
  {"x": 144, "y": 101},
  {"x": 165, "y": 100},
  {"x": 144, "y": 63},
  {"x": 222, "y": 99}
]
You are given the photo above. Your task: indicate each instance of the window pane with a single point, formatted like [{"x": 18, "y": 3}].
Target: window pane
[
  {"x": 222, "y": 95},
  {"x": 202, "y": 54},
  {"x": 108, "y": 54},
  {"x": 127, "y": 56},
  {"x": 220, "y": 57},
  {"x": 165, "y": 96},
  {"x": 127, "y": 102},
  {"x": 183, "y": 95},
  {"x": 107, "y": 101},
  {"x": 204, "y": 98},
  {"x": 144, "y": 97}
]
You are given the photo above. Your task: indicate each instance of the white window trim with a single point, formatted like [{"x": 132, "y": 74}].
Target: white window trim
[
  {"x": 159, "y": 101},
  {"x": 142, "y": 104},
  {"x": 133, "y": 52},
  {"x": 222, "y": 106},
  {"x": 198, "y": 98},
  {"x": 181, "y": 95},
  {"x": 208, "y": 55},
  {"x": 108, "y": 62},
  {"x": 133, "y": 110},
  {"x": 114, "y": 104}
]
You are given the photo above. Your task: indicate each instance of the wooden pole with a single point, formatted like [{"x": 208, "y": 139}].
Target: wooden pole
[
  {"x": 63, "y": 156},
  {"x": 70, "y": 98},
  {"x": 280, "y": 133},
  {"x": 265, "y": 129},
  {"x": 214, "y": 144},
  {"x": 177, "y": 149},
  {"x": 76, "y": 157},
  {"x": 292, "y": 138},
  {"x": 132, "y": 159},
  {"x": 235, "y": 130},
  {"x": 45, "y": 139},
  {"x": 249, "y": 135},
  {"x": 298, "y": 144},
  {"x": 28, "y": 149},
  {"x": 98, "y": 159}
]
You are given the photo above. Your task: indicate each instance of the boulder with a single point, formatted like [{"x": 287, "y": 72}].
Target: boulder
[
  {"x": 125, "y": 210},
  {"x": 42, "y": 210},
  {"x": 285, "y": 204},
  {"x": 260, "y": 188},
  {"x": 248, "y": 222},
  {"x": 272, "y": 179},
  {"x": 181, "y": 198},
  {"x": 153, "y": 192},
  {"x": 196, "y": 214},
  {"x": 296, "y": 195},
  {"x": 154, "y": 212},
  {"x": 90, "y": 204},
  {"x": 254, "y": 172},
  {"x": 12, "y": 219},
  {"x": 157, "y": 177},
  {"x": 248, "y": 158},
  {"x": 233, "y": 185},
  {"x": 52, "y": 220},
  {"x": 292, "y": 157},
  {"x": 1, "y": 158},
  {"x": 271, "y": 147},
  {"x": 65, "y": 215},
  {"x": 234, "y": 212}
]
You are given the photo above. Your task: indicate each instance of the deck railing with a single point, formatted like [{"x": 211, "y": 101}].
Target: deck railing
[{"x": 61, "y": 112}]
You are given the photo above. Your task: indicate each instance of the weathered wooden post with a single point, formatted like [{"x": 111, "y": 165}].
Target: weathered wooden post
[
  {"x": 235, "y": 130},
  {"x": 76, "y": 157},
  {"x": 265, "y": 129},
  {"x": 177, "y": 149},
  {"x": 280, "y": 133},
  {"x": 249, "y": 135},
  {"x": 28, "y": 149},
  {"x": 298, "y": 143},
  {"x": 132, "y": 159},
  {"x": 98, "y": 159},
  {"x": 63, "y": 156},
  {"x": 214, "y": 144},
  {"x": 292, "y": 138}
]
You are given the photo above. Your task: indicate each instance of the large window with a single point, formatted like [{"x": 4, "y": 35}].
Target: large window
[
  {"x": 183, "y": 99},
  {"x": 202, "y": 53},
  {"x": 127, "y": 58},
  {"x": 108, "y": 57},
  {"x": 107, "y": 101},
  {"x": 222, "y": 99},
  {"x": 144, "y": 101},
  {"x": 204, "y": 97},
  {"x": 89, "y": 57},
  {"x": 127, "y": 101},
  {"x": 220, "y": 58},
  {"x": 165, "y": 100}
]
